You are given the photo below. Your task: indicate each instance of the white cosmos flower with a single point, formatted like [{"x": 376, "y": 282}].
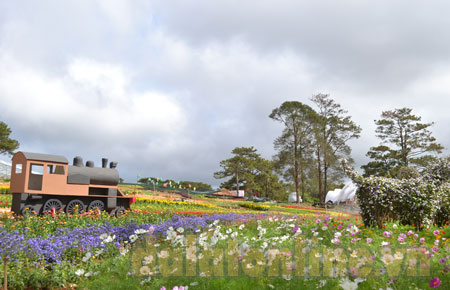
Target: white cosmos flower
[
  {"x": 140, "y": 231},
  {"x": 148, "y": 260},
  {"x": 87, "y": 257},
  {"x": 398, "y": 256},
  {"x": 163, "y": 254},
  {"x": 79, "y": 272},
  {"x": 347, "y": 284},
  {"x": 144, "y": 270},
  {"x": 387, "y": 259},
  {"x": 133, "y": 238},
  {"x": 109, "y": 239}
]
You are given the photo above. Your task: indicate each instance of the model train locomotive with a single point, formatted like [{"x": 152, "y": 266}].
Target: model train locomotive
[{"x": 43, "y": 183}]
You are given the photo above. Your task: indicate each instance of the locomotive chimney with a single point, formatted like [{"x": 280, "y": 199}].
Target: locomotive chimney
[
  {"x": 78, "y": 161},
  {"x": 89, "y": 163},
  {"x": 104, "y": 162},
  {"x": 113, "y": 164}
]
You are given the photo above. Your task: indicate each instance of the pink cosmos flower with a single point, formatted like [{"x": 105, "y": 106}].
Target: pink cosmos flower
[
  {"x": 435, "y": 249},
  {"x": 435, "y": 282},
  {"x": 436, "y": 232},
  {"x": 422, "y": 240},
  {"x": 368, "y": 240}
]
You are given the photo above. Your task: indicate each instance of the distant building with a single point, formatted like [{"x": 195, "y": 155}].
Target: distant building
[
  {"x": 239, "y": 193},
  {"x": 5, "y": 169}
]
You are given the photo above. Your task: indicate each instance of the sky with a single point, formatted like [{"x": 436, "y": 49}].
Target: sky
[{"x": 169, "y": 88}]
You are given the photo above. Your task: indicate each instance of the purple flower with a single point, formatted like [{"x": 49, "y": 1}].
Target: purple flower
[
  {"x": 422, "y": 240},
  {"x": 436, "y": 232},
  {"x": 391, "y": 282},
  {"x": 368, "y": 240},
  {"x": 435, "y": 282},
  {"x": 442, "y": 261},
  {"x": 294, "y": 230}
]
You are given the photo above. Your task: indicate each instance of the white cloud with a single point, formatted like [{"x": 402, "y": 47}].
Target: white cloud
[{"x": 92, "y": 99}]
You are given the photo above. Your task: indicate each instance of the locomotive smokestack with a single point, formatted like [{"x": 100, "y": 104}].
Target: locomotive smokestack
[
  {"x": 104, "y": 162},
  {"x": 113, "y": 164},
  {"x": 89, "y": 163},
  {"x": 78, "y": 161}
]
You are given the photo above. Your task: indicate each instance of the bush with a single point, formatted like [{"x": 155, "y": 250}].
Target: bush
[
  {"x": 416, "y": 201},
  {"x": 254, "y": 206}
]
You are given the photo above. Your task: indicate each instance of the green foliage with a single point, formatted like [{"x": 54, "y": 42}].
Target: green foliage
[
  {"x": 312, "y": 143},
  {"x": 248, "y": 170},
  {"x": 172, "y": 183},
  {"x": 333, "y": 130},
  {"x": 295, "y": 145},
  {"x": 419, "y": 201},
  {"x": 7, "y": 145},
  {"x": 411, "y": 140}
]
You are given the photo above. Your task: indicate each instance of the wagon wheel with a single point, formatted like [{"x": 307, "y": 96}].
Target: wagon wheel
[
  {"x": 51, "y": 204},
  {"x": 75, "y": 205},
  {"x": 28, "y": 210},
  {"x": 118, "y": 211},
  {"x": 96, "y": 204}
]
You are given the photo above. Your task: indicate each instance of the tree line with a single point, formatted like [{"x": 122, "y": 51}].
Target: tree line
[
  {"x": 309, "y": 148},
  {"x": 314, "y": 140}
]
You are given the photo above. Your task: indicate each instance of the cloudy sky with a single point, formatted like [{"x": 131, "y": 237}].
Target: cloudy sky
[{"x": 169, "y": 88}]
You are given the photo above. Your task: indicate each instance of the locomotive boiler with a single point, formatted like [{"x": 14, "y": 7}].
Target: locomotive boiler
[{"x": 43, "y": 183}]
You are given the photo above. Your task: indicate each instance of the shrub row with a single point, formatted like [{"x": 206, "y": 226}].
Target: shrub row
[{"x": 254, "y": 206}]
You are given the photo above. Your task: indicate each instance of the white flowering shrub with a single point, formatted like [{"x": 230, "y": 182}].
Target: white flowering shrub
[{"x": 417, "y": 201}]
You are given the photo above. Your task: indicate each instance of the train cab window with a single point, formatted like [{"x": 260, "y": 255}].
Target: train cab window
[
  {"x": 35, "y": 180},
  {"x": 18, "y": 169},
  {"x": 55, "y": 169}
]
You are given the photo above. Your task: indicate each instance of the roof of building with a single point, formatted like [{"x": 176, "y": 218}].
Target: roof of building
[{"x": 45, "y": 157}]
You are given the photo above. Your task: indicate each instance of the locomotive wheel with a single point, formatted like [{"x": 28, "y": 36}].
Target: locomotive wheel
[
  {"x": 75, "y": 205},
  {"x": 28, "y": 210},
  {"x": 51, "y": 204},
  {"x": 118, "y": 211},
  {"x": 96, "y": 204}
]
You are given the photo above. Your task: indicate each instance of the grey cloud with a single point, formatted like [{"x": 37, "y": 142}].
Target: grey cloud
[{"x": 224, "y": 64}]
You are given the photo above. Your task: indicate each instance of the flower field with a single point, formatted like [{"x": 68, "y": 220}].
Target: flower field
[{"x": 220, "y": 245}]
